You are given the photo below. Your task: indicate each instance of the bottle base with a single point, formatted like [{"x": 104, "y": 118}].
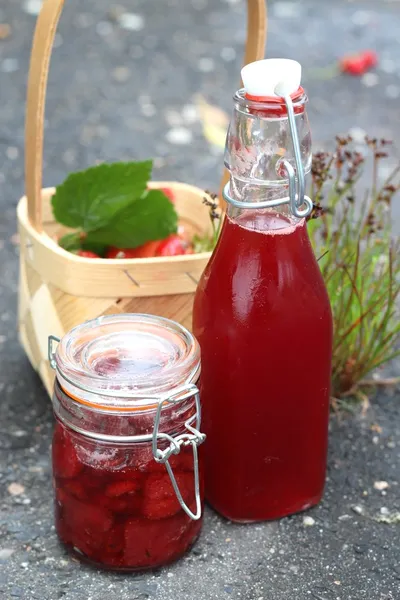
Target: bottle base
[{"x": 272, "y": 515}]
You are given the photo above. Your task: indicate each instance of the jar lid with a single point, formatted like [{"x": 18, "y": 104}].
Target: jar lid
[{"x": 126, "y": 360}]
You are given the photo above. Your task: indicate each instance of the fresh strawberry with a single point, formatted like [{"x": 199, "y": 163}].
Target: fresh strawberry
[
  {"x": 370, "y": 58},
  {"x": 354, "y": 66},
  {"x": 147, "y": 250},
  {"x": 159, "y": 498},
  {"x": 114, "y": 252},
  {"x": 87, "y": 254},
  {"x": 65, "y": 460},
  {"x": 173, "y": 245},
  {"x": 358, "y": 64},
  {"x": 169, "y": 193}
]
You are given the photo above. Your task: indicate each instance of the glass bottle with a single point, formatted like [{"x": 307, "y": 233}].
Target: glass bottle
[
  {"x": 127, "y": 476},
  {"x": 263, "y": 320}
]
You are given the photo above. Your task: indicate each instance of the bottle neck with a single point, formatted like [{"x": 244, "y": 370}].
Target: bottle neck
[
  {"x": 259, "y": 150},
  {"x": 246, "y": 192}
]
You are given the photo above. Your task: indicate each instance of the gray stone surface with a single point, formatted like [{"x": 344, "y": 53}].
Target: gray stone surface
[{"x": 114, "y": 94}]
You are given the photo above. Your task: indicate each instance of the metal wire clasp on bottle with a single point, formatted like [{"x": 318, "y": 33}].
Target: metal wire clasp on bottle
[
  {"x": 296, "y": 178},
  {"x": 191, "y": 437}
]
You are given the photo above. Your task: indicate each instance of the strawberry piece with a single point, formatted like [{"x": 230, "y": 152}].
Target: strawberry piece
[
  {"x": 114, "y": 252},
  {"x": 87, "y": 523},
  {"x": 142, "y": 460},
  {"x": 119, "y": 488},
  {"x": 154, "y": 467},
  {"x": 120, "y": 492},
  {"x": 128, "y": 504},
  {"x": 147, "y": 464},
  {"x": 358, "y": 64},
  {"x": 184, "y": 461},
  {"x": 65, "y": 460},
  {"x": 353, "y": 65},
  {"x": 116, "y": 505},
  {"x": 149, "y": 544},
  {"x": 173, "y": 245},
  {"x": 93, "y": 479},
  {"x": 169, "y": 193},
  {"x": 147, "y": 250},
  {"x": 370, "y": 58},
  {"x": 129, "y": 473},
  {"x": 75, "y": 488},
  {"x": 356, "y": 67},
  {"x": 159, "y": 498},
  {"x": 114, "y": 541},
  {"x": 79, "y": 524},
  {"x": 87, "y": 254}
]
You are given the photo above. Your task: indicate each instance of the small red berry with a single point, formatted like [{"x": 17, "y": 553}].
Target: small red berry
[
  {"x": 147, "y": 250},
  {"x": 358, "y": 64},
  {"x": 353, "y": 66},
  {"x": 370, "y": 58},
  {"x": 173, "y": 245},
  {"x": 114, "y": 252},
  {"x": 87, "y": 254},
  {"x": 169, "y": 193}
]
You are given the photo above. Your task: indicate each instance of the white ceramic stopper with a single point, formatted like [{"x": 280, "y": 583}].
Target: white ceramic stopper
[{"x": 272, "y": 77}]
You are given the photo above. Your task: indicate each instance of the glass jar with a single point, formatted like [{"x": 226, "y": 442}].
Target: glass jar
[{"x": 127, "y": 474}]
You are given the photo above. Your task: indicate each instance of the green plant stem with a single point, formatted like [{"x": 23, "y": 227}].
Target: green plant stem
[{"x": 359, "y": 263}]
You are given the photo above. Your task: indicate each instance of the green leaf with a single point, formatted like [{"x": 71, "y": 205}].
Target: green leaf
[
  {"x": 151, "y": 217},
  {"x": 90, "y": 199},
  {"x": 70, "y": 242}
]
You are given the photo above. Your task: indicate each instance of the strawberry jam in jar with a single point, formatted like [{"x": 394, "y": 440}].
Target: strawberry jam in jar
[{"x": 127, "y": 472}]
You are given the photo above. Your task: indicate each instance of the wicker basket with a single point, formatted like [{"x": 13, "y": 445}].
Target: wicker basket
[{"x": 59, "y": 290}]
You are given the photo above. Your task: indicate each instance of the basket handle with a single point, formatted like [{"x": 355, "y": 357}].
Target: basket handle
[{"x": 45, "y": 31}]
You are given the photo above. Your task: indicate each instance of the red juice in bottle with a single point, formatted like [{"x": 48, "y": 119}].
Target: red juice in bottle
[{"x": 263, "y": 320}]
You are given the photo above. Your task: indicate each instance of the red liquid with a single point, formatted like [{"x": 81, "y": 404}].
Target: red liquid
[
  {"x": 116, "y": 507},
  {"x": 263, "y": 320}
]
